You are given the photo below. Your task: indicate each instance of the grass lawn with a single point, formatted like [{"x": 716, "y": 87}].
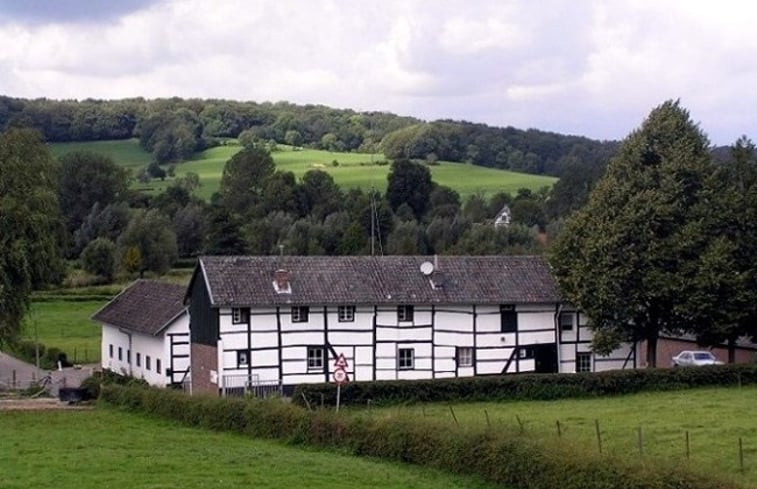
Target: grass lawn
[
  {"x": 66, "y": 325},
  {"x": 126, "y": 152},
  {"x": 354, "y": 169},
  {"x": 714, "y": 417},
  {"x": 107, "y": 448}
]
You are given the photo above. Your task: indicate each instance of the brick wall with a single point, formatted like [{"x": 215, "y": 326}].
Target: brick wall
[
  {"x": 204, "y": 361},
  {"x": 668, "y": 348}
]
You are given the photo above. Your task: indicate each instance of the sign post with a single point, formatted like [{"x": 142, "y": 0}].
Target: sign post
[{"x": 340, "y": 377}]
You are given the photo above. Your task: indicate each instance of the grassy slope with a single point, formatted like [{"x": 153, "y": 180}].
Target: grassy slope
[
  {"x": 354, "y": 170},
  {"x": 715, "y": 419},
  {"x": 107, "y": 448},
  {"x": 66, "y": 325}
]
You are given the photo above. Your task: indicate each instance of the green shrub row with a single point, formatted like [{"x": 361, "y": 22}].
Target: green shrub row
[
  {"x": 502, "y": 457},
  {"x": 526, "y": 386}
]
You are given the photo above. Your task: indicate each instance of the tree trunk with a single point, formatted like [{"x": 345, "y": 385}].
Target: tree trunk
[
  {"x": 731, "y": 350},
  {"x": 652, "y": 351}
]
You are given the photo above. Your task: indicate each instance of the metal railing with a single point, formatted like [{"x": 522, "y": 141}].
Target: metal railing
[{"x": 249, "y": 385}]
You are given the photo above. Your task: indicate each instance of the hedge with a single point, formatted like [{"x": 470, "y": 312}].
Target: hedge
[
  {"x": 499, "y": 456},
  {"x": 526, "y": 386}
]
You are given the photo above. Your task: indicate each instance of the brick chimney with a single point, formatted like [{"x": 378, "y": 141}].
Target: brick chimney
[{"x": 281, "y": 281}]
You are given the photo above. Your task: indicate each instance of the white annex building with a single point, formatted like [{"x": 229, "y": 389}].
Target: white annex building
[
  {"x": 265, "y": 320},
  {"x": 145, "y": 333}
]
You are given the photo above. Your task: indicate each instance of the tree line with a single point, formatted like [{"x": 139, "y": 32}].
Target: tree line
[{"x": 174, "y": 128}]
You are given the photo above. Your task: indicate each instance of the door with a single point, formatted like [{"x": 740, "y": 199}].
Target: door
[{"x": 545, "y": 358}]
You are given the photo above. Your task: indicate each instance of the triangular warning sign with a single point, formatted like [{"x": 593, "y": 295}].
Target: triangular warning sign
[{"x": 341, "y": 362}]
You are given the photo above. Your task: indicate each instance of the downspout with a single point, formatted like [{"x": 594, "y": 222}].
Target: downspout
[{"x": 558, "y": 335}]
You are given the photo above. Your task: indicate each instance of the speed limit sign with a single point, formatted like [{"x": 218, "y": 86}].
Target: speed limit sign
[{"x": 340, "y": 376}]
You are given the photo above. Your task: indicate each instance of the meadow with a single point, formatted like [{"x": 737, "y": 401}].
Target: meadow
[
  {"x": 109, "y": 448},
  {"x": 715, "y": 419},
  {"x": 361, "y": 170},
  {"x": 66, "y": 324}
]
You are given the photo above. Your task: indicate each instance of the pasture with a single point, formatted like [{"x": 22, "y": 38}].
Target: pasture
[
  {"x": 65, "y": 324},
  {"x": 715, "y": 419},
  {"x": 353, "y": 169},
  {"x": 108, "y": 448}
]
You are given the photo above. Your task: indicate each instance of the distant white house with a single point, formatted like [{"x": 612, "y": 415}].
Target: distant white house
[
  {"x": 502, "y": 219},
  {"x": 145, "y": 333},
  {"x": 258, "y": 321}
]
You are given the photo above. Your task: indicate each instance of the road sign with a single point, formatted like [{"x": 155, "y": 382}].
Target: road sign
[
  {"x": 341, "y": 362},
  {"x": 340, "y": 376}
]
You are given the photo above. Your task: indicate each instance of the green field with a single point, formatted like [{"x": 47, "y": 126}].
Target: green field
[
  {"x": 354, "y": 169},
  {"x": 66, "y": 325},
  {"x": 108, "y": 448},
  {"x": 714, "y": 417}
]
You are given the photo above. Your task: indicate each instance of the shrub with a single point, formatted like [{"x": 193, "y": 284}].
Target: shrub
[
  {"x": 99, "y": 258},
  {"x": 500, "y": 456},
  {"x": 528, "y": 386}
]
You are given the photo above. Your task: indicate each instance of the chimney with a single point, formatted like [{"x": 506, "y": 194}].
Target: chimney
[{"x": 281, "y": 281}]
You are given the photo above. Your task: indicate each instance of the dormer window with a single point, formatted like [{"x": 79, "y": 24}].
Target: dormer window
[{"x": 281, "y": 282}]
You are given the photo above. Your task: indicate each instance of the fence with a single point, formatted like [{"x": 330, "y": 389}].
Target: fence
[{"x": 241, "y": 385}]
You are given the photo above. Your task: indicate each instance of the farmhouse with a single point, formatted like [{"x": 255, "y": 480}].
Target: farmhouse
[
  {"x": 145, "y": 333},
  {"x": 281, "y": 321}
]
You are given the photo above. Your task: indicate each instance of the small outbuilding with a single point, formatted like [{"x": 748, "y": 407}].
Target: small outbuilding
[{"x": 145, "y": 333}]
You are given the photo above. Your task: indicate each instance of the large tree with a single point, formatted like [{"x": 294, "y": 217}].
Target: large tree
[
  {"x": 245, "y": 176},
  {"x": 29, "y": 225},
  {"x": 409, "y": 183},
  {"x": 87, "y": 179},
  {"x": 629, "y": 256},
  {"x": 150, "y": 233}
]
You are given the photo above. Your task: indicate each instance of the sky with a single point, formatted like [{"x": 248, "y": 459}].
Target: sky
[{"x": 574, "y": 67}]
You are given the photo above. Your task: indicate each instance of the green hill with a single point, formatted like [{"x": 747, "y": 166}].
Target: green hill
[{"x": 353, "y": 169}]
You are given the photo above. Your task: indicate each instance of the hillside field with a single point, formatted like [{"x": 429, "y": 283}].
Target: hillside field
[
  {"x": 354, "y": 169},
  {"x": 109, "y": 448},
  {"x": 714, "y": 417}
]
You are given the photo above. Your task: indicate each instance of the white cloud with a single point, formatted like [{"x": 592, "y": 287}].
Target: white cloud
[{"x": 574, "y": 67}]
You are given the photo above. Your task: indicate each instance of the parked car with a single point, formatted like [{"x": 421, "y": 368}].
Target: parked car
[{"x": 694, "y": 359}]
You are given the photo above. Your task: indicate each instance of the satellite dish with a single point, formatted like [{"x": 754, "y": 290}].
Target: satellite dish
[{"x": 427, "y": 268}]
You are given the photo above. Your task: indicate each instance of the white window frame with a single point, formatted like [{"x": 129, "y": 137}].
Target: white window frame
[
  {"x": 405, "y": 313},
  {"x": 346, "y": 314},
  {"x": 402, "y": 359},
  {"x": 464, "y": 356},
  {"x": 243, "y": 358},
  {"x": 580, "y": 365},
  {"x": 316, "y": 358},
  {"x": 240, "y": 315},
  {"x": 300, "y": 314},
  {"x": 565, "y": 326}
]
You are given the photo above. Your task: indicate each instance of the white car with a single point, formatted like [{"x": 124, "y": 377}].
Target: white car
[{"x": 694, "y": 359}]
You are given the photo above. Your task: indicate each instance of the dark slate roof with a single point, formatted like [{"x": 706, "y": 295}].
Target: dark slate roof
[
  {"x": 144, "y": 307},
  {"x": 248, "y": 280}
]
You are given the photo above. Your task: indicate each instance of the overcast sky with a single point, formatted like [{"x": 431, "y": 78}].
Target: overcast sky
[{"x": 577, "y": 67}]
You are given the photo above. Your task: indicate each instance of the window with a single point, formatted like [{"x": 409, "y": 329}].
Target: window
[
  {"x": 243, "y": 358},
  {"x": 139, "y": 360},
  {"x": 346, "y": 314},
  {"x": 525, "y": 353},
  {"x": 240, "y": 315},
  {"x": 406, "y": 359},
  {"x": 583, "y": 362},
  {"x": 315, "y": 358},
  {"x": 157, "y": 365},
  {"x": 509, "y": 318},
  {"x": 110, "y": 351},
  {"x": 566, "y": 321},
  {"x": 405, "y": 313},
  {"x": 300, "y": 314},
  {"x": 128, "y": 356},
  {"x": 120, "y": 354},
  {"x": 464, "y": 356},
  {"x": 147, "y": 362}
]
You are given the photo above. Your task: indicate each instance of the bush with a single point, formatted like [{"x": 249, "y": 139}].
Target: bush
[
  {"x": 528, "y": 386},
  {"x": 48, "y": 356},
  {"x": 92, "y": 385},
  {"x": 506, "y": 458}
]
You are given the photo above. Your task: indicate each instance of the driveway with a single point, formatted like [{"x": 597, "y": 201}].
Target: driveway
[{"x": 17, "y": 374}]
